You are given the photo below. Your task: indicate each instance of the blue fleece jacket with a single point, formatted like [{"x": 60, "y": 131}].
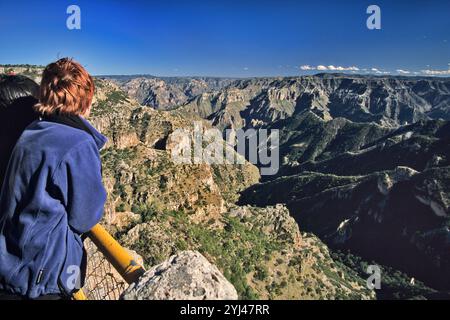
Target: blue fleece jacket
[{"x": 52, "y": 193}]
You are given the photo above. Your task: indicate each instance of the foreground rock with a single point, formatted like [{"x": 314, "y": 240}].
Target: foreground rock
[{"x": 184, "y": 276}]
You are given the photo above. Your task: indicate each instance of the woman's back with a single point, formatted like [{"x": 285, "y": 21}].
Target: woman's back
[{"x": 50, "y": 165}]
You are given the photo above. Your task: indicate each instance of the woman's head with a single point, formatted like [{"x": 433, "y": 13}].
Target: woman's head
[
  {"x": 13, "y": 88},
  {"x": 66, "y": 88}
]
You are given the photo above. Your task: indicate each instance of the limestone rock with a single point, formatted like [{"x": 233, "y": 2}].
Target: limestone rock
[{"x": 184, "y": 276}]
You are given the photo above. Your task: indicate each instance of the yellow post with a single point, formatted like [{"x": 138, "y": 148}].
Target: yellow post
[
  {"x": 79, "y": 295},
  {"x": 121, "y": 260}
]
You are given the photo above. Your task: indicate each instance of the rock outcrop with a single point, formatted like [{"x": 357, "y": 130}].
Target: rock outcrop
[{"x": 184, "y": 276}]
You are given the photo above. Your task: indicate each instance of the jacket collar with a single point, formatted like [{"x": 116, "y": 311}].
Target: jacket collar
[
  {"x": 80, "y": 123},
  {"x": 100, "y": 140}
]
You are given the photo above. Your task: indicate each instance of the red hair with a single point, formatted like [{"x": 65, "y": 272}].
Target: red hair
[{"x": 66, "y": 88}]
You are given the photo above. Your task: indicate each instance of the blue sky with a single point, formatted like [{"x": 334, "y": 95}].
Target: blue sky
[{"x": 231, "y": 38}]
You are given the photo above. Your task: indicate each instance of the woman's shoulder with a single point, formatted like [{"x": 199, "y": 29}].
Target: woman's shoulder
[{"x": 54, "y": 138}]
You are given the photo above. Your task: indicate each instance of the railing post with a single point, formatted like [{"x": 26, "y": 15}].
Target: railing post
[{"x": 79, "y": 295}]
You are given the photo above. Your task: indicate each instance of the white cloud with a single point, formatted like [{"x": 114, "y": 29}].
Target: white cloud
[
  {"x": 436, "y": 72},
  {"x": 373, "y": 70},
  {"x": 378, "y": 71},
  {"x": 432, "y": 72},
  {"x": 339, "y": 68},
  {"x": 329, "y": 68},
  {"x": 245, "y": 68},
  {"x": 307, "y": 67}
]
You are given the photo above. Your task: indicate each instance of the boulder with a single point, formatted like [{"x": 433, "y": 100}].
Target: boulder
[{"x": 184, "y": 276}]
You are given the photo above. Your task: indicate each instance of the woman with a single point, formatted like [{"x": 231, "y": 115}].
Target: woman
[
  {"x": 18, "y": 95},
  {"x": 53, "y": 191}
]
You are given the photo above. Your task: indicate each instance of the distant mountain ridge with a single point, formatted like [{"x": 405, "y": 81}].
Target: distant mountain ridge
[
  {"x": 389, "y": 101},
  {"x": 163, "y": 93}
]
